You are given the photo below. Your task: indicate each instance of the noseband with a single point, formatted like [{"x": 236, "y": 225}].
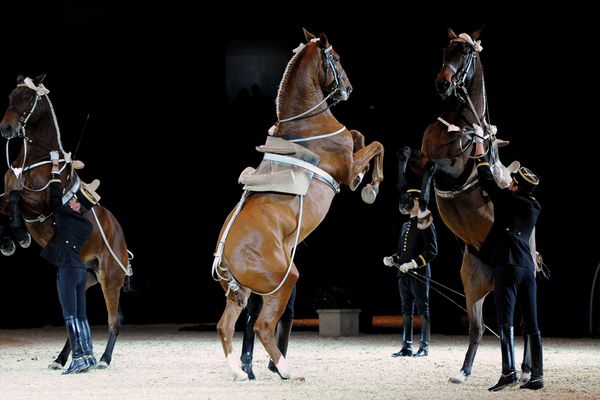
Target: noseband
[{"x": 459, "y": 74}]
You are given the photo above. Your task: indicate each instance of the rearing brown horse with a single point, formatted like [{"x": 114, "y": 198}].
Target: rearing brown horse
[
  {"x": 255, "y": 250},
  {"x": 447, "y": 156},
  {"x": 30, "y": 117}
]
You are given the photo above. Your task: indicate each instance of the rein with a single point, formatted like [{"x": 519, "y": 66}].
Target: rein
[{"x": 424, "y": 280}]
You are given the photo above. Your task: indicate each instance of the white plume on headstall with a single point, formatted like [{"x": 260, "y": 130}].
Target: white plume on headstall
[
  {"x": 40, "y": 90},
  {"x": 476, "y": 44}
]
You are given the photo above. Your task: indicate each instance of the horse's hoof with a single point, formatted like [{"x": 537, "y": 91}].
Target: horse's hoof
[
  {"x": 239, "y": 375},
  {"x": 458, "y": 378},
  {"x": 357, "y": 180},
  {"x": 8, "y": 247},
  {"x": 369, "y": 193},
  {"x": 101, "y": 365},
  {"x": 25, "y": 242},
  {"x": 55, "y": 365}
]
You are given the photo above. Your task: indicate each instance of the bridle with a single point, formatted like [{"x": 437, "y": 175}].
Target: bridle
[{"x": 40, "y": 91}]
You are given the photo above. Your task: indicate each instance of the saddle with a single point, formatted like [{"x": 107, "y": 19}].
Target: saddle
[{"x": 280, "y": 177}]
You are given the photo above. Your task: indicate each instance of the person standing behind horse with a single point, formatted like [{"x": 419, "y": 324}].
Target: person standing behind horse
[
  {"x": 71, "y": 231},
  {"x": 282, "y": 334},
  {"x": 416, "y": 248},
  {"x": 506, "y": 247}
]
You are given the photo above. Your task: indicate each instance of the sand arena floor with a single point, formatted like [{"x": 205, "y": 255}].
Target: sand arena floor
[{"x": 162, "y": 362}]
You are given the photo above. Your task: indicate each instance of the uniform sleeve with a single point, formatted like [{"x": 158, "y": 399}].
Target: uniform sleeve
[
  {"x": 430, "y": 247},
  {"x": 486, "y": 178},
  {"x": 55, "y": 192}
]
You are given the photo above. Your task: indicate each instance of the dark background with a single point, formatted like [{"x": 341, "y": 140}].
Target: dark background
[{"x": 168, "y": 138}]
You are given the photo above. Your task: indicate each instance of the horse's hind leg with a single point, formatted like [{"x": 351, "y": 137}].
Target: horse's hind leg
[
  {"x": 273, "y": 307},
  {"x": 226, "y": 329},
  {"x": 61, "y": 360},
  {"x": 111, "y": 282},
  {"x": 477, "y": 282}
]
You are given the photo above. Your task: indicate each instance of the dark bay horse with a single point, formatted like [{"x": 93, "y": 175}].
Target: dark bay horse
[
  {"x": 31, "y": 118},
  {"x": 256, "y": 244},
  {"x": 447, "y": 155}
]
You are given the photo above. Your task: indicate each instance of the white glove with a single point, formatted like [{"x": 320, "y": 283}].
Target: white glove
[
  {"x": 407, "y": 266},
  {"x": 388, "y": 261}
]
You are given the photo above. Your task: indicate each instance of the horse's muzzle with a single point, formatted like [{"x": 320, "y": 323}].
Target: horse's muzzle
[
  {"x": 7, "y": 130},
  {"x": 443, "y": 87}
]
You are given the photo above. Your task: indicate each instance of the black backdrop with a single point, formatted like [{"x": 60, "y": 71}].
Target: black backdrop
[{"x": 153, "y": 80}]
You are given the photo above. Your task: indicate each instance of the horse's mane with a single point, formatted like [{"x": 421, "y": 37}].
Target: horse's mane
[{"x": 286, "y": 74}]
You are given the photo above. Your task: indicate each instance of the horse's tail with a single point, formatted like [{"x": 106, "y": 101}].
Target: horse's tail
[{"x": 113, "y": 241}]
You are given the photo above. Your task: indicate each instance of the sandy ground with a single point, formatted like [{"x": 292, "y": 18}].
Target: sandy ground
[{"x": 162, "y": 362}]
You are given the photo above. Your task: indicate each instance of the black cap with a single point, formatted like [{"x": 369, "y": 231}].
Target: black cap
[{"x": 526, "y": 180}]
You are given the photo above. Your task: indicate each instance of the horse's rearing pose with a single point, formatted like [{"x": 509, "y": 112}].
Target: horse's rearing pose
[
  {"x": 256, "y": 244},
  {"x": 30, "y": 117},
  {"x": 447, "y": 155}
]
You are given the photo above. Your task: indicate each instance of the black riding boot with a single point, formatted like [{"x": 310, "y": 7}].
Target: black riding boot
[
  {"x": 86, "y": 341},
  {"x": 509, "y": 374},
  {"x": 284, "y": 329},
  {"x": 407, "y": 336},
  {"x": 77, "y": 363},
  {"x": 425, "y": 336},
  {"x": 248, "y": 347},
  {"x": 537, "y": 364}
]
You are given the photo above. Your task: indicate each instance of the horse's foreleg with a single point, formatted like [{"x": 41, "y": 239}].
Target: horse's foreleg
[
  {"x": 477, "y": 283},
  {"x": 7, "y": 246},
  {"x": 111, "y": 279},
  {"x": 361, "y": 160},
  {"x": 226, "y": 330},
  {"x": 358, "y": 143},
  {"x": 16, "y": 221}
]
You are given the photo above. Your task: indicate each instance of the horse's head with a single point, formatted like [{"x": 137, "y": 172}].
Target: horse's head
[
  {"x": 313, "y": 76},
  {"x": 331, "y": 75},
  {"x": 459, "y": 62},
  {"x": 24, "y": 106}
]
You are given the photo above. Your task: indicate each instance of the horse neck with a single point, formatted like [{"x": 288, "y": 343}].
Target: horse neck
[
  {"x": 41, "y": 139},
  {"x": 476, "y": 90}
]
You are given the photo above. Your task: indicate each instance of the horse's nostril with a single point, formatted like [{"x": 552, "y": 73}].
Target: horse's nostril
[{"x": 442, "y": 85}]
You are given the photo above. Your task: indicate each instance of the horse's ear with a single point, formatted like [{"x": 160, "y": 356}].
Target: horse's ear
[
  {"x": 308, "y": 35},
  {"x": 40, "y": 78},
  {"x": 475, "y": 35},
  {"x": 451, "y": 34},
  {"x": 323, "y": 42},
  {"x": 20, "y": 78}
]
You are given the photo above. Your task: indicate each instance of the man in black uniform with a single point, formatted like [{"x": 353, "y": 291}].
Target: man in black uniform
[
  {"x": 71, "y": 231},
  {"x": 416, "y": 248},
  {"x": 507, "y": 249},
  {"x": 282, "y": 334}
]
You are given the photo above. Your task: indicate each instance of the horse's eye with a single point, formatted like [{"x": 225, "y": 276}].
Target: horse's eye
[{"x": 27, "y": 97}]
